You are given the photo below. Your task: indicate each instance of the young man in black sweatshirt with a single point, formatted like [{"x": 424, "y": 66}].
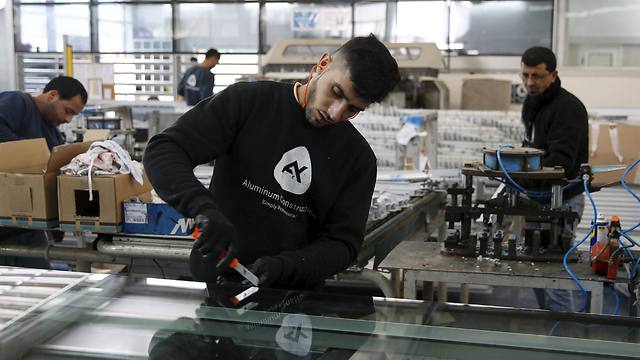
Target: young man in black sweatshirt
[
  {"x": 557, "y": 122},
  {"x": 293, "y": 178}
]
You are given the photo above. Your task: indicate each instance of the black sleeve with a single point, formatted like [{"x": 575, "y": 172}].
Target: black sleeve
[
  {"x": 200, "y": 135},
  {"x": 564, "y": 136},
  {"x": 11, "y": 113},
  {"x": 341, "y": 237}
]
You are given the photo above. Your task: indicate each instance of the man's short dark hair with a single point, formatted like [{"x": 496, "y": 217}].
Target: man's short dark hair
[
  {"x": 67, "y": 87},
  {"x": 212, "y": 52},
  {"x": 539, "y": 55},
  {"x": 374, "y": 71}
]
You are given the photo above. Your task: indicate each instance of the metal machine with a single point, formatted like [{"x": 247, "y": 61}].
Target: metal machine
[
  {"x": 530, "y": 229},
  {"x": 419, "y": 63}
]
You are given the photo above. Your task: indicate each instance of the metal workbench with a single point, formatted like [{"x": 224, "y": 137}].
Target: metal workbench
[
  {"x": 171, "y": 253},
  {"x": 422, "y": 261}
]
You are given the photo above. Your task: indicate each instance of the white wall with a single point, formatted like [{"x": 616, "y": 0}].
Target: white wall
[
  {"x": 608, "y": 21},
  {"x": 7, "y": 56},
  {"x": 596, "y": 87}
]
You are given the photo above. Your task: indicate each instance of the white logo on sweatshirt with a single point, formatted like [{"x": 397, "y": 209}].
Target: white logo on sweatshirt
[
  {"x": 191, "y": 80},
  {"x": 293, "y": 171}
]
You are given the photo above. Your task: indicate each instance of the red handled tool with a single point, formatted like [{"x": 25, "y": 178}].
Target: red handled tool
[{"x": 233, "y": 263}]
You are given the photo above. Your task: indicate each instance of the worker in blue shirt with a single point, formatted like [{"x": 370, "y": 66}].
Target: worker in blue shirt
[
  {"x": 197, "y": 82},
  {"x": 23, "y": 116}
]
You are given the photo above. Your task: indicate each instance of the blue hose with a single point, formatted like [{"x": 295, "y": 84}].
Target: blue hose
[
  {"x": 624, "y": 184},
  {"x": 575, "y": 246},
  {"x": 624, "y": 233}
]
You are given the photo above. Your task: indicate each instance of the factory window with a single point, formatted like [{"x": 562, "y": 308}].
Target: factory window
[
  {"x": 421, "y": 21},
  {"x": 305, "y": 21},
  {"x": 370, "y": 18},
  {"x": 226, "y": 27},
  {"x": 602, "y": 34},
  {"x": 40, "y": 28},
  {"x": 499, "y": 27},
  {"x": 134, "y": 28}
]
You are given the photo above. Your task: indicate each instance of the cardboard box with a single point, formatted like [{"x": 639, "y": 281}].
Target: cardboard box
[
  {"x": 486, "y": 94},
  {"x": 28, "y": 173},
  {"x": 104, "y": 212},
  {"x": 155, "y": 218},
  {"x": 603, "y": 152}
]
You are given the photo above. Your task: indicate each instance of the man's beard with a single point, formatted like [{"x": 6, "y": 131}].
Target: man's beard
[
  {"x": 49, "y": 115},
  {"x": 308, "y": 110}
]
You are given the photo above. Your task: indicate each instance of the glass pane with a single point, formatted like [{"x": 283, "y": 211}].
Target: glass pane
[
  {"x": 226, "y": 27},
  {"x": 294, "y": 21},
  {"x": 421, "y": 21},
  {"x": 121, "y": 317},
  {"x": 500, "y": 27},
  {"x": 370, "y": 18},
  {"x": 134, "y": 28},
  {"x": 602, "y": 34},
  {"x": 40, "y": 28}
]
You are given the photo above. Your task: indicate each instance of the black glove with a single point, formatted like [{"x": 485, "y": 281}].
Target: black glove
[
  {"x": 217, "y": 237},
  {"x": 268, "y": 269}
]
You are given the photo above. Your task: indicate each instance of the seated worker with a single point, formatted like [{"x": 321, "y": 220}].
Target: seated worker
[
  {"x": 23, "y": 116},
  {"x": 197, "y": 82},
  {"x": 293, "y": 178},
  {"x": 556, "y": 121}
]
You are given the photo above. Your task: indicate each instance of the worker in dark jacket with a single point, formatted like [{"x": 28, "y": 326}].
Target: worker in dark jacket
[
  {"x": 556, "y": 121},
  {"x": 23, "y": 116},
  {"x": 197, "y": 82}
]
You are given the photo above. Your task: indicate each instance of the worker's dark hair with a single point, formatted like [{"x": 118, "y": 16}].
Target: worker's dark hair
[
  {"x": 374, "y": 71},
  {"x": 539, "y": 55},
  {"x": 67, "y": 87},
  {"x": 212, "y": 52}
]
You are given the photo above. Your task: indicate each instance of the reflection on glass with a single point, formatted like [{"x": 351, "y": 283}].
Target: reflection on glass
[
  {"x": 370, "y": 18},
  {"x": 602, "y": 33},
  {"x": 41, "y": 28},
  {"x": 134, "y": 28},
  {"x": 500, "y": 27},
  {"x": 74, "y": 315},
  {"x": 306, "y": 21},
  {"x": 226, "y": 27},
  {"x": 421, "y": 21}
]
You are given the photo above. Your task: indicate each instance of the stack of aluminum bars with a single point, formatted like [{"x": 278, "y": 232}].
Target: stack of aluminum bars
[
  {"x": 462, "y": 134},
  {"x": 24, "y": 292},
  {"x": 379, "y": 125}
]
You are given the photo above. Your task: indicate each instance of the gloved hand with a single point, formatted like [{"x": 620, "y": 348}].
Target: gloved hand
[
  {"x": 217, "y": 234},
  {"x": 268, "y": 269}
]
